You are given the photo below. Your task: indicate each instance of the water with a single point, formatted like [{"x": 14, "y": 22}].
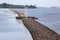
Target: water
[
  {"x": 49, "y": 17},
  {"x": 11, "y": 28}
]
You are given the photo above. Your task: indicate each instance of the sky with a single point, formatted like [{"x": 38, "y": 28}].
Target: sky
[{"x": 39, "y": 3}]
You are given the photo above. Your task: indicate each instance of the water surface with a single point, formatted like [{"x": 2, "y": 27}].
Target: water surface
[{"x": 11, "y": 28}]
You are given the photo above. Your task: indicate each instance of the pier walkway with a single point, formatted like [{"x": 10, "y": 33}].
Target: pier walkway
[{"x": 37, "y": 30}]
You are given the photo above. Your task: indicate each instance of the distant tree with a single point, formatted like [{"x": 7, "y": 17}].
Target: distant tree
[
  {"x": 30, "y": 6},
  {"x": 4, "y": 5}
]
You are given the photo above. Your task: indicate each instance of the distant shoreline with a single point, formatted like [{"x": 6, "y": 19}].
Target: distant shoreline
[{"x": 5, "y": 5}]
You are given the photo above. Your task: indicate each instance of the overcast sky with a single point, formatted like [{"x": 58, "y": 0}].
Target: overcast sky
[{"x": 40, "y": 3}]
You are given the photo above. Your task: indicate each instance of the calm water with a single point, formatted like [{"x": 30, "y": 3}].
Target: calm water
[
  {"x": 49, "y": 17},
  {"x": 10, "y": 28}
]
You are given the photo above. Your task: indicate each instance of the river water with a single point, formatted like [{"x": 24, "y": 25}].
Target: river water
[
  {"x": 11, "y": 28},
  {"x": 49, "y": 17}
]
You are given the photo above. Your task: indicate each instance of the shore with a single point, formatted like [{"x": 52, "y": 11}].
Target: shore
[{"x": 38, "y": 30}]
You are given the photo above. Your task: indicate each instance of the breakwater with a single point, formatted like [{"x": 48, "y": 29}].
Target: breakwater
[{"x": 37, "y": 30}]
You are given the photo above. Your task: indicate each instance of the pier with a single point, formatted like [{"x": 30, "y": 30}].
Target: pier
[{"x": 37, "y": 30}]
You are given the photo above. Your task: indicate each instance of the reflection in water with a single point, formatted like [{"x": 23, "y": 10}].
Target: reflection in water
[{"x": 10, "y": 28}]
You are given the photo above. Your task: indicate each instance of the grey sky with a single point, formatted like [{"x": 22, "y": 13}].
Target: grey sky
[{"x": 41, "y": 3}]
